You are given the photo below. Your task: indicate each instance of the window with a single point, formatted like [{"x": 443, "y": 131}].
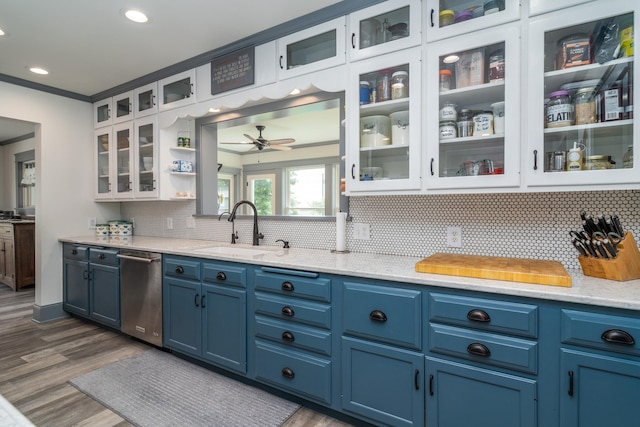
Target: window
[
  {"x": 26, "y": 183},
  {"x": 261, "y": 192},
  {"x": 306, "y": 191}
]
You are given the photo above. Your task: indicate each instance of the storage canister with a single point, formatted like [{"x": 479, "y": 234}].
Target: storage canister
[
  {"x": 493, "y": 6},
  {"x": 598, "y": 162},
  {"x": 446, "y": 17},
  {"x": 125, "y": 228},
  {"x": 483, "y": 124},
  {"x": 375, "y": 131},
  {"x": 465, "y": 15},
  {"x": 465, "y": 123},
  {"x": 448, "y": 130},
  {"x": 400, "y": 127},
  {"x": 365, "y": 92},
  {"x": 113, "y": 227},
  {"x": 383, "y": 93},
  {"x": 470, "y": 68},
  {"x": 102, "y": 229},
  {"x": 448, "y": 112},
  {"x": 399, "y": 85},
  {"x": 560, "y": 111},
  {"x": 496, "y": 66},
  {"x": 445, "y": 80},
  {"x": 585, "y": 106}
]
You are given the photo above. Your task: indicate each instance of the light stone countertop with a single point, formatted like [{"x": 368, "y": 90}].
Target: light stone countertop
[{"x": 584, "y": 290}]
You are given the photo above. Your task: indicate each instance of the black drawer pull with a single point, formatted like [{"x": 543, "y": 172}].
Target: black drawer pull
[
  {"x": 179, "y": 269},
  {"x": 288, "y": 373},
  {"x": 288, "y": 336},
  {"x": 74, "y": 252},
  {"x": 570, "y": 383},
  {"x": 287, "y": 286},
  {"x": 378, "y": 316},
  {"x": 221, "y": 276},
  {"x": 618, "y": 336},
  {"x": 195, "y": 300},
  {"x": 101, "y": 256},
  {"x": 288, "y": 311},
  {"x": 353, "y": 40},
  {"x": 478, "y": 315},
  {"x": 478, "y": 349},
  {"x": 430, "y": 385},
  {"x": 416, "y": 383},
  {"x": 202, "y": 300}
]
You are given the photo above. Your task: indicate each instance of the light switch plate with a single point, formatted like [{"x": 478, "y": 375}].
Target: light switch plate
[{"x": 361, "y": 231}]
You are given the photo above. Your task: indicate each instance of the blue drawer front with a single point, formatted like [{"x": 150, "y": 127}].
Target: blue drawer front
[
  {"x": 182, "y": 268},
  {"x": 224, "y": 274},
  {"x": 73, "y": 251},
  {"x": 506, "y": 352},
  {"x": 104, "y": 256},
  {"x": 400, "y": 307},
  {"x": 294, "y": 371},
  {"x": 291, "y": 285},
  {"x": 291, "y": 335},
  {"x": 593, "y": 330},
  {"x": 489, "y": 315},
  {"x": 302, "y": 311}
]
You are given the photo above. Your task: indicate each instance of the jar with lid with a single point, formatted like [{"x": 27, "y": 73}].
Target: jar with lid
[
  {"x": 465, "y": 123},
  {"x": 465, "y": 15},
  {"x": 448, "y": 129},
  {"x": 448, "y": 112},
  {"x": 493, "y": 6},
  {"x": 446, "y": 17},
  {"x": 365, "y": 92},
  {"x": 399, "y": 85},
  {"x": 560, "y": 111},
  {"x": 483, "y": 123},
  {"x": 496, "y": 66},
  {"x": 445, "y": 80},
  {"x": 627, "y": 159},
  {"x": 598, "y": 162},
  {"x": 585, "y": 106},
  {"x": 383, "y": 93}
]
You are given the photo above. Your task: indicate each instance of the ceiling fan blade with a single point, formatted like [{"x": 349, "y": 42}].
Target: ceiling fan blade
[
  {"x": 279, "y": 147},
  {"x": 239, "y": 142},
  {"x": 282, "y": 141},
  {"x": 255, "y": 141}
]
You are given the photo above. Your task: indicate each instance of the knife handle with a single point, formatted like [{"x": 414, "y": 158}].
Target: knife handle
[
  {"x": 617, "y": 225},
  {"x": 601, "y": 250}
]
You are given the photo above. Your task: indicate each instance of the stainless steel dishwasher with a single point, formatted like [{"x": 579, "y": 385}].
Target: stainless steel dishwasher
[{"x": 141, "y": 295}]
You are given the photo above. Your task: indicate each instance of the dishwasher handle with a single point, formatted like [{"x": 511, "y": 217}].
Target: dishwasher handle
[{"x": 139, "y": 259}]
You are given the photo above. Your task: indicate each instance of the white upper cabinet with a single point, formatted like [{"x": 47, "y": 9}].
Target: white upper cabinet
[
  {"x": 145, "y": 100},
  {"x": 472, "y": 96},
  {"x": 145, "y": 158},
  {"x": 580, "y": 124},
  {"x": 449, "y": 18},
  {"x": 123, "y": 165},
  {"x": 102, "y": 113},
  {"x": 103, "y": 161},
  {"x": 383, "y": 128},
  {"x": 536, "y": 7},
  {"x": 178, "y": 90},
  {"x": 122, "y": 107},
  {"x": 313, "y": 49},
  {"x": 383, "y": 28}
]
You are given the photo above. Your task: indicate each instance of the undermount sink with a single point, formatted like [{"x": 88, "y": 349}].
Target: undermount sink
[{"x": 232, "y": 251}]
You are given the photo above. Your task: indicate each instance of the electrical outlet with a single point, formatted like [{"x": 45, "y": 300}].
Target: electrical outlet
[
  {"x": 191, "y": 222},
  {"x": 169, "y": 223},
  {"x": 454, "y": 237},
  {"x": 361, "y": 231},
  {"x": 92, "y": 224}
]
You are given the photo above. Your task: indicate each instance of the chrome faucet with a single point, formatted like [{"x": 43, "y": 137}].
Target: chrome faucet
[
  {"x": 234, "y": 232},
  {"x": 256, "y": 234}
]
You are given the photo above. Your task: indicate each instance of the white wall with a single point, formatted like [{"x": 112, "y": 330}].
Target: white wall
[
  {"x": 64, "y": 190},
  {"x": 8, "y": 174}
]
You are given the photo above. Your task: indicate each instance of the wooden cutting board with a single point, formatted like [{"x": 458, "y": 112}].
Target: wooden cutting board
[{"x": 536, "y": 271}]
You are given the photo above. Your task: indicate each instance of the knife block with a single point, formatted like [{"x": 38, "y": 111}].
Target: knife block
[{"x": 626, "y": 266}]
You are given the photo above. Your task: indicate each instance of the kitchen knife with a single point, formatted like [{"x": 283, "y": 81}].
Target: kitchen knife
[
  {"x": 580, "y": 247},
  {"x": 601, "y": 250},
  {"x": 617, "y": 225},
  {"x": 611, "y": 249},
  {"x": 592, "y": 251},
  {"x": 602, "y": 224}
]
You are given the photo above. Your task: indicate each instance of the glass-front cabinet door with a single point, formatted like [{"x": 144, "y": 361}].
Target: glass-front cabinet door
[
  {"x": 123, "y": 107},
  {"x": 146, "y": 158},
  {"x": 582, "y": 129},
  {"x": 103, "y": 160},
  {"x": 473, "y": 110},
  {"x": 383, "y": 28},
  {"x": 145, "y": 100},
  {"x": 123, "y": 135},
  {"x": 178, "y": 90},
  {"x": 449, "y": 18},
  {"x": 102, "y": 113},
  {"x": 383, "y": 131},
  {"x": 313, "y": 49}
]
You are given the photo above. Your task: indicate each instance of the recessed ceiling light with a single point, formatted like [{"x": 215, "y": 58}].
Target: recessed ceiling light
[
  {"x": 136, "y": 16},
  {"x": 295, "y": 91},
  {"x": 451, "y": 59},
  {"x": 1, "y": 32},
  {"x": 38, "y": 70},
  {"x": 214, "y": 110}
]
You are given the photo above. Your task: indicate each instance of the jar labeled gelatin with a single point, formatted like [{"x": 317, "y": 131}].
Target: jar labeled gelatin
[{"x": 560, "y": 111}]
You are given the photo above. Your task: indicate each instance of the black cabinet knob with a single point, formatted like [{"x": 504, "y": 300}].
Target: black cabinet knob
[
  {"x": 287, "y": 286},
  {"x": 179, "y": 269},
  {"x": 287, "y": 311},
  {"x": 378, "y": 316},
  {"x": 288, "y": 373},
  {"x": 288, "y": 336},
  {"x": 618, "y": 336},
  {"x": 221, "y": 276},
  {"x": 478, "y": 315},
  {"x": 478, "y": 349}
]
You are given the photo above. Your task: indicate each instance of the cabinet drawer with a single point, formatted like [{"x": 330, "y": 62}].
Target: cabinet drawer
[
  {"x": 6, "y": 230},
  {"x": 484, "y": 314},
  {"x": 481, "y": 347},
  {"x": 607, "y": 332},
  {"x": 292, "y": 335},
  {"x": 382, "y": 313},
  {"x": 224, "y": 274},
  {"x": 297, "y": 284},
  {"x": 294, "y": 309},
  {"x": 295, "y": 371},
  {"x": 104, "y": 256},
  {"x": 73, "y": 251},
  {"x": 183, "y": 268}
]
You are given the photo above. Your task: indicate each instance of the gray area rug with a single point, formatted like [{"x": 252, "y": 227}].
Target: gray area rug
[{"x": 156, "y": 389}]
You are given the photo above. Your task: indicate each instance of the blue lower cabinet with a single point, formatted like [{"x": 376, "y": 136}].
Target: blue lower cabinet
[
  {"x": 383, "y": 384},
  {"x": 598, "y": 390},
  {"x": 182, "y": 316},
  {"x": 297, "y": 372},
  {"x": 76, "y": 287},
  {"x": 105, "y": 294},
  {"x": 464, "y": 395}
]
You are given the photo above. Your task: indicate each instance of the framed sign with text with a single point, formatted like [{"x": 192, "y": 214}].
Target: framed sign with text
[{"x": 233, "y": 71}]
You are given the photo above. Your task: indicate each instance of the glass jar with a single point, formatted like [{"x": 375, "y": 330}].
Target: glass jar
[
  {"x": 627, "y": 159},
  {"x": 493, "y": 6},
  {"x": 585, "y": 106},
  {"x": 496, "y": 66},
  {"x": 365, "y": 92},
  {"x": 445, "y": 80},
  {"x": 446, "y": 17},
  {"x": 598, "y": 162},
  {"x": 483, "y": 124},
  {"x": 399, "y": 85},
  {"x": 560, "y": 111},
  {"x": 448, "y": 130},
  {"x": 448, "y": 112},
  {"x": 383, "y": 93}
]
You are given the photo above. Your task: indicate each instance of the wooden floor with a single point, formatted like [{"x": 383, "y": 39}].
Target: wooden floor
[{"x": 37, "y": 360}]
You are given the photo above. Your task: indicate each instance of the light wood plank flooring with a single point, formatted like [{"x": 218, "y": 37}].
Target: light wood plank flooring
[{"x": 37, "y": 360}]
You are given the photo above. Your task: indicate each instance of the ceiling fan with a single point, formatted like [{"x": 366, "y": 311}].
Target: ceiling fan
[{"x": 261, "y": 143}]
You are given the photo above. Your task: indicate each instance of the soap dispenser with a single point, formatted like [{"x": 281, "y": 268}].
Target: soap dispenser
[{"x": 575, "y": 158}]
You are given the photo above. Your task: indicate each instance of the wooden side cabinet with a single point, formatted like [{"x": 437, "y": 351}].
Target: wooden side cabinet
[{"x": 17, "y": 254}]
